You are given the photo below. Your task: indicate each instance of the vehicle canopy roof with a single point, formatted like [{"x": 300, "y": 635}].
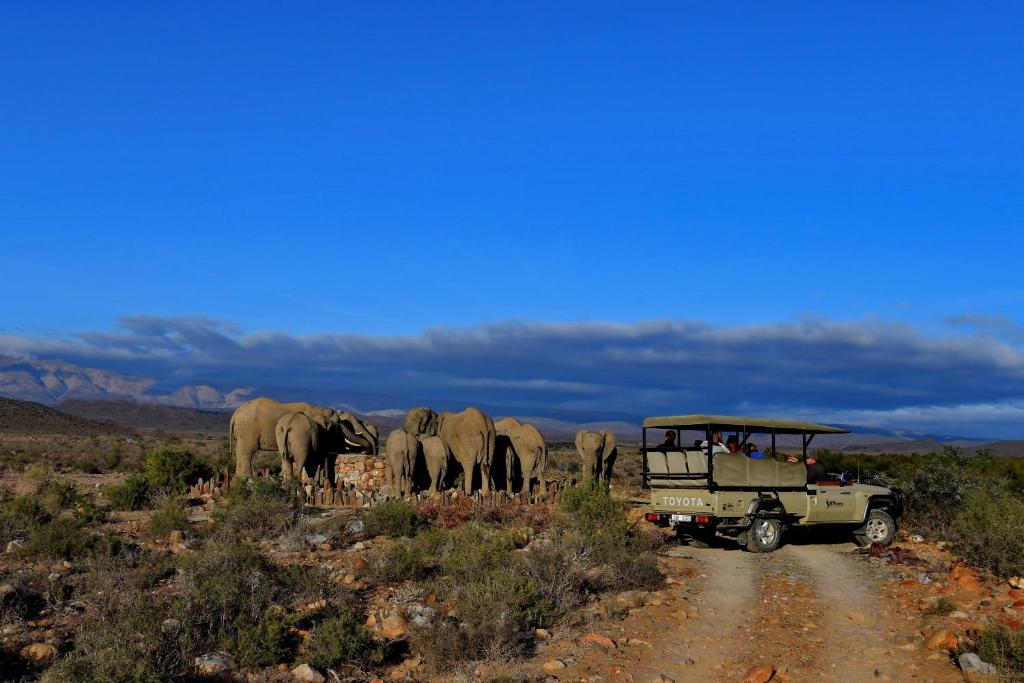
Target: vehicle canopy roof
[{"x": 737, "y": 423}]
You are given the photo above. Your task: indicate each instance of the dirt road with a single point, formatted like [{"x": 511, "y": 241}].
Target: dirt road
[{"x": 811, "y": 612}]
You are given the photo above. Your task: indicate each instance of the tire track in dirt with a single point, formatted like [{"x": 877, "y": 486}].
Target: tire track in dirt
[{"x": 812, "y": 612}]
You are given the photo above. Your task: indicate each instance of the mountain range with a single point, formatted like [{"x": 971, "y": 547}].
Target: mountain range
[{"x": 143, "y": 402}]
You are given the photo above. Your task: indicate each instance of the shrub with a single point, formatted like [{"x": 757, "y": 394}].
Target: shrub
[
  {"x": 393, "y": 518},
  {"x": 226, "y": 588},
  {"x": 590, "y": 507},
  {"x": 266, "y": 642},
  {"x": 170, "y": 517},
  {"x": 342, "y": 640},
  {"x": 477, "y": 549},
  {"x": 1004, "y": 649},
  {"x": 63, "y": 538},
  {"x": 258, "y": 509},
  {"x": 494, "y": 611},
  {"x": 18, "y": 516},
  {"x": 123, "y": 643},
  {"x": 173, "y": 470},
  {"x": 941, "y": 607},
  {"x": 403, "y": 560},
  {"x": 134, "y": 493},
  {"x": 988, "y": 531},
  {"x": 58, "y": 494}
]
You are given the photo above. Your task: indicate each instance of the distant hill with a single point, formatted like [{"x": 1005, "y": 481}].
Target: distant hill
[
  {"x": 26, "y": 417},
  {"x": 49, "y": 382},
  {"x": 149, "y": 416}
]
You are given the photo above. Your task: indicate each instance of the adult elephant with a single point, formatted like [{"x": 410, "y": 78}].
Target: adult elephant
[
  {"x": 469, "y": 436},
  {"x": 305, "y": 446},
  {"x": 522, "y": 444},
  {"x": 253, "y": 427},
  {"x": 401, "y": 451},
  {"x": 435, "y": 456},
  {"x": 598, "y": 451},
  {"x": 362, "y": 436}
]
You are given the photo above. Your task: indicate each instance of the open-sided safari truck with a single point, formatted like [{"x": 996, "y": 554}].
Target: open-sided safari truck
[{"x": 754, "y": 500}]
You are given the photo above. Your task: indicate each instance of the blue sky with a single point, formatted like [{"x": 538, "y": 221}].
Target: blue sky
[{"x": 386, "y": 168}]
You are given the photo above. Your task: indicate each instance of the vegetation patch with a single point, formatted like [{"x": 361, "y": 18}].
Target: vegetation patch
[{"x": 394, "y": 518}]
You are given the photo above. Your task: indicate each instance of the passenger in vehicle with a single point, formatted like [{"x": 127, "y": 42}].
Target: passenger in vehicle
[
  {"x": 716, "y": 441},
  {"x": 732, "y": 444},
  {"x": 669, "y": 444},
  {"x": 753, "y": 452},
  {"x": 815, "y": 470}
]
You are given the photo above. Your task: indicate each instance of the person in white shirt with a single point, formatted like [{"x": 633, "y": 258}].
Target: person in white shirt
[{"x": 716, "y": 440}]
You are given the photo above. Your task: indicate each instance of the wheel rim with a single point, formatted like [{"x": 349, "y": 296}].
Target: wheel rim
[
  {"x": 765, "y": 532},
  {"x": 876, "y": 530}
]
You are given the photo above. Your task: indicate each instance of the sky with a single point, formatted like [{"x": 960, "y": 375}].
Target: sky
[{"x": 408, "y": 174}]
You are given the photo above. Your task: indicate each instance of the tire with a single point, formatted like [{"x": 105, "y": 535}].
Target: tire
[
  {"x": 765, "y": 535},
  {"x": 879, "y": 527}
]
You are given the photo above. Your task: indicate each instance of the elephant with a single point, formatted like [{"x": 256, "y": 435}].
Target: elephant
[
  {"x": 435, "y": 455},
  {"x": 253, "y": 427},
  {"x": 304, "y": 446},
  {"x": 365, "y": 435},
  {"x": 522, "y": 443},
  {"x": 421, "y": 421},
  {"x": 401, "y": 452},
  {"x": 598, "y": 451},
  {"x": 469, "y": 436}
]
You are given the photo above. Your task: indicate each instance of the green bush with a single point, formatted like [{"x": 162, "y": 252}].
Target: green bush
[
  {"x": 494, "y": 611},
  {"x": 393, "y": 518},
  {"x": 225, "y": 588},
  {"x": 988, "y": 531},
  {"x": 58, "y": 494},
  {"x": 590, "y": 507},
  {"x": 476, "y": 549},
  {"x": 170, "y": 517},
  {"x": 134, "y": 493},
  {"x": 258, "y": 509},
  {"x": 19, "y": 515},
  {"x": 173, "y": 470},
  {"x": 64, "y": 538},
  {"x": 342, "y": 640},
  {"x": 403, "y": 560},
  {"x": 1003, "y": 648},
  {"x": 266, "y": 642},
  {"x": 124, "y": 643}
]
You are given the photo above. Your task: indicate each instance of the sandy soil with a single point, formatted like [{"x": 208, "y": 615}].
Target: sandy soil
[{"x": 811, "y": 612}]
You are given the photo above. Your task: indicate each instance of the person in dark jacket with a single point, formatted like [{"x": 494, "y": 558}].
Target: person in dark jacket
[{"x": 815, "y": 470}]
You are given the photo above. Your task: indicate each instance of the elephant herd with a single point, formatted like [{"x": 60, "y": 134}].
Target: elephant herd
[
  {"x": 306, "y": 436},
  {"x": 504, "y": 454}
]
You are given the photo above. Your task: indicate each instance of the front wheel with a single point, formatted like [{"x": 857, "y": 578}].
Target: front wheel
[
  {"x": 764, "y": 535},
  {"x": 879, "y": 527}
]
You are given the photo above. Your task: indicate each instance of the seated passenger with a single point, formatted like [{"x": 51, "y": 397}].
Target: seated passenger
[
  {"x": 732, "y": 444},
  {"x": 669, "y": 444},
  {"x": 753, "y": 452},
  {"x": 815, "y": 470},
  {"x": 716, "y": 441}
]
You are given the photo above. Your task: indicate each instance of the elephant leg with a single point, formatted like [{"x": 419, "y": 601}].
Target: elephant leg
[
  {"x": 286, "y": 467},
  {"x": 468, "y": 470},
  {"x": 244, "y": 450},
  {"x": 485, "y": 477}
]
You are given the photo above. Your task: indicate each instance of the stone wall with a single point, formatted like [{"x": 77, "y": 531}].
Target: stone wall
[{"x": 362, "y": 472}]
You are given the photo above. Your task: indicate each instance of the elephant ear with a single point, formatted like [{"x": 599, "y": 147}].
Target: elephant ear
[
  {"x": 609, "y": 441},
  {"x": 579, "y": 440}
]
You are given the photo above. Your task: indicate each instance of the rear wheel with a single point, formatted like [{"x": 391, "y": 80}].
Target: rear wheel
[
  {"x": 879, "y": 527},
  {"x": 764, "y": 535}
]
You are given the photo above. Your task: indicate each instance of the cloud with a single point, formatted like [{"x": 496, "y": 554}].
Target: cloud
[{"x": 869, "y": 368}]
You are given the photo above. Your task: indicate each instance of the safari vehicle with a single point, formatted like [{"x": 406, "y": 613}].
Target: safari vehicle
[{"x": 704, "y": 494}]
